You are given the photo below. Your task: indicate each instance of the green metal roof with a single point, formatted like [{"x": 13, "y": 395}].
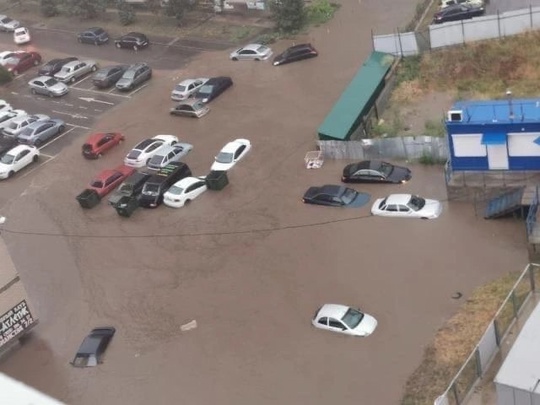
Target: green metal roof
[{"x": 343, "y": 119}]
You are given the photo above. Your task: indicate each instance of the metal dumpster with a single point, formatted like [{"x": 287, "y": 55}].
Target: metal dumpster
[
  {"x": 88, "y": 198},
  {"x": 217, "y": 180},
  {"x": 126, "y": 206}
]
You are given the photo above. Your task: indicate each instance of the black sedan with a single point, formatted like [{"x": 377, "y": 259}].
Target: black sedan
[
  {"x": 108, "y": 76},
  {"x": 54, "y": 65},
  {"x": 295, "y": 53},
  {"x": 335, "y": 196},
  {"x": 375, "y": 171},
  {"x": 93, "y": 347},
  {"x": 94, "y": 35},
  {"x": 132, "y": 40},
  {"x": 457, "y": 12},
  {"x": 213, "y": 88}
]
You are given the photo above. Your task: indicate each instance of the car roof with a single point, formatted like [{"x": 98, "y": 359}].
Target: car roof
[
  {"x": 134, "y": 34},
  {"x": 398, "y": 199},
  {"x": 231, "y": 147},
  {"x": 91, "y": 343},
  {"x": 190, "y": 102},
  {"x": 331, "y": 189},
  {"x": 252, "y": 47},
  {"x": 18, "y": 149},
  {"x": 186, "y": 82},
  {"x": 300, "y": 46},
  {"x": 36, "y": 124},
  {"x": 217, "y": 79},
  {"x": 72, "y": 63},
  {"x": 43, "y": 78},
  {"x": 187, "y": 181},
  {"x": 97, "y": 136},
  {"x": 332, "y": 311},
  {"x": 145, "y": 143},
  {"x": 137, "y": 65},
  {"x": 162, "y": 151}
]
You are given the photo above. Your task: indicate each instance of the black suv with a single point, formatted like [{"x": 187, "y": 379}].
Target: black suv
[
  {"x": 295, "y": 53},
  {"x": 134, "y": 76},
  {"x": 108, "y": 76},
  {"x": 94, "y": 35},
  {"x": 158, "y": 184},
  {"x": 133, "y": 40}
]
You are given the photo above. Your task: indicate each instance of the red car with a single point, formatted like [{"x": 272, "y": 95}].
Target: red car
[
  {"x": 22, "y": 61},
  {"x": 99, "y": 143},
  {"x": 107, "y": 180}
]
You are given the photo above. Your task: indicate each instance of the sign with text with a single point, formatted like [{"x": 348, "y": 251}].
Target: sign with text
[{"x": 14, "y": 321}]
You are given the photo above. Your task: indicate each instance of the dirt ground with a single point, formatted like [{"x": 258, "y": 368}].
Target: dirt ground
[{"x": 251, "y": 263}]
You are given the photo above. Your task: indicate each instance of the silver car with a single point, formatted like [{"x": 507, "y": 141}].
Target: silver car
[
  {"x": 72, "y": 71},
  {"x": 16, "y": 125},
  {"x": 7, "y": 116},
  {"x": 191, "y": 108},
  {"x": 252, "y": 52},
  {"x": 169, "y": 154},
  {"x": 8, "y": 24},
  {"x": 39, "y": 132},
  {"x": 48, "y": 86}
]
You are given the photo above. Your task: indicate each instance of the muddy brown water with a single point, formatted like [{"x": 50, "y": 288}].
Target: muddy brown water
[{"x": 251, "y": 263}]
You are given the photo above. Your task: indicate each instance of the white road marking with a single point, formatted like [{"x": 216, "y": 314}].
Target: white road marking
[
  {"x": 77, "y": 126},
  {"x": 93, "y": 100},
  {"x": 56, "y": 139},
  {"x": 47, "y": 156},
  {"x": 71, "y": 115},
  {"x": 14, "y": 93},
  {"x": 137, "y": 90},
  {"x": 82, "y": 80},
  {"x": 38, "y": 166},
  {"x": 101, "y": 92}
]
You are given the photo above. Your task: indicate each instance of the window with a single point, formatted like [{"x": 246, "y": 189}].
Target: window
[
  {"x": 323, "y": 321},
  {"x": 392, "y": 208},
  {"x": 334, "y": 323},
  {"x": 239, "y": 151}
]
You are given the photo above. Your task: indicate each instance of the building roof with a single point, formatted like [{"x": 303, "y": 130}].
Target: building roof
[
  {"x": 16, "y": 393},
  {"x": 520, "y": 368},
  {"x": 498, "y": 111},
  {"x": 345, "y": 114}
]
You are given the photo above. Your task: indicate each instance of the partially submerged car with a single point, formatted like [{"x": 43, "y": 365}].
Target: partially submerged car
[
  {"x": 93, "y": 347},
  {"x": 21, "y": 36},
  {"x": 194, "y": 108}
]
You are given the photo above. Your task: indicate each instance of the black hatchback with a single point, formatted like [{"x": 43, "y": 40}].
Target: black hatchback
[
  {"x": 375, "y": 171},
  {"x": 54, "y": 65},
  {"x": 108, "y": 76},
  {"x": 457, "y": 12},
  {"x": 94, "y": 35},
  {"x": 132, "y": 40},
  {"x": 295, "y": 53},
  {"x": 213, "y": 88}
]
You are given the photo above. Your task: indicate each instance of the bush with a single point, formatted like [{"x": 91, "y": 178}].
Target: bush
[
  {"x": 289, "y": 15},
  {"x": 320, "y": 11},
  {"x": 5, "y": 76},
  {"x": 126, "y": 13},
  {"x": 49, "y": 8}
]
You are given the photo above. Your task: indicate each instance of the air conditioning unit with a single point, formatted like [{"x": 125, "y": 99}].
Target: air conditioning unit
[{"x": 455, "y": 116}]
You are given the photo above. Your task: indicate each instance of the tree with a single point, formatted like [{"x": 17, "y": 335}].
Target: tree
[
  {"x": 126, "y": 12},
  {"x": 289, "y": 15},
  {"x": 154, "y": 6},
  {"x": 49, "y": 8},
  {"x": 177, "y": 9},
  {"x": 85, "y": 9}
]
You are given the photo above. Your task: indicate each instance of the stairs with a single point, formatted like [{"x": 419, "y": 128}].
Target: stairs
[{"x": 504, "y": 204}]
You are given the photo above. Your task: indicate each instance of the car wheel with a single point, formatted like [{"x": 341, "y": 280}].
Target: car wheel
[
  {"x": 99, "y": 155},
  {"x": 36, "y": 62},
  {"x": 33, "y": 91},
  {"x": 51, "y": 95},
  {"x": 235, "y": 59},
  {"x": 96, "y": 42},
  {"x": 80, "y": 40},
  {"x": 15, "y": 72},
  {"x": 35, "y": 158},
  {"x": 94, "y": 68},
  {"x": 135, "y": 48},
  {"x": 187, "y": 202},
  {"x": 38, "y": 143},
  {"x": 257, "y": 59},
  {"x": 424, "y": 218},
  {"x": 61, "y": 128},
  {"x": 10, "y": 174},
  {"x": 118, "y": 45},
  {"x": 72, "y": 80}
]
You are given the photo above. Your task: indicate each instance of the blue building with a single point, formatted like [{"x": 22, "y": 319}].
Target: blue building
[{"x": 494, "y": 135}]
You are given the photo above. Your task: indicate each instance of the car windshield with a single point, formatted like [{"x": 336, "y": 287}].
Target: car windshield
[
  {"x": 352, "y": 318},
  {"x": 348, "y": 196},
  {"x": 151, "y": 189},
  {"x": 12, "y": 125},
  {"x": 180, "y": 88},
  {"x": 224, "y": 157},
  {"x": 50, "y": 82},
  {"x": 99, "y": 31},
  {"x": 97, "y": 184},
  {"x": 19, "y": 33},
  {"x": 6, "y": 117},
  {"x": 7, "y": 20},
  {"x": 7, "y": 159},
  {"x": 26, "y": 132},
  {"x": 134, "y": 154},
  {"x": 262, "y": 49},
  {"x": 206, "y": 89},
  {"x": 416, "y": 203},
  {"x": 65, "y": 69},
  {"x": 156, "y": 160},
  {"x": 130, "y": 74},
  {"x": 126, "y": 188},
  {"x": 176, "y": 190},
  {"x": 101, "y": 74}
]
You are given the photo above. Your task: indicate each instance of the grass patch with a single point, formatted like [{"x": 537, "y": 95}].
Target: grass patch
[
  {"x": 320, "y": 11},
  {"x": 454, "y": 342},
  {"x": 239, "y": 33},
  {"x": 434, "y": 128}
]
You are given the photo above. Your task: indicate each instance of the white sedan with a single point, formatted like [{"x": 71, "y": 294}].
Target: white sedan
[
  {"x": 6, "y": 55},
  {"x": 141, "y": 154},
  {"x": 186, "y": 88},
  {"x": 252, "y": 52},
  {"x": 184, "y": 191},
  {"x": 5, "y": 106},
  {"x": 406, "y": 206},
  {"x": 230, "y": 154},
  {"x": 21, "y": 36},
  {"x": 16, "y": 159},
  {"x": 7, "y": 116},
  {"x": 343, "y": 319}
]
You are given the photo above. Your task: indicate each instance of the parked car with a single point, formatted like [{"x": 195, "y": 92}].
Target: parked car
[
  {"x": 184, "y": 191},
  {"x": 54, "y": 65},
  {"x": 375, "y": 171},
  {"x": 156, "y": 186},
  {"x": 406, "y": 206},
  {"x": 16, "y": 125},
  {"x": 141, "y": 154},
  {"x": 6, "y": 55},
  {"x": 8, "y": 24},
  {"x": 186, "y": 88},
  {"x": 213, "y": 88},
  {"x": 22, "y": 61},
  {"x": 93, "y": 347},
  {"x": 134, "y": 76},
  {"x": 344, "y": 319},
  {"x": 109, "y": 179},
  {"x": 191, "y": 108},
  {"x": 252, "y": 52},
  {"x": 169, "y": 154},
  {"x": 331, "y": 195},
  {"x": 99, "y": 143},
  {"x": 447, "y": 3},
  {"x": 6, "y": 144},
  {"x": 39, "y": 132},
  {"x": 108, "y": 76},
  {"x": 76, "y": 69},
  {"x": 5, "y": 106},
  {"x": 6, "y": 117},
  {"x": 17, "y": 159},
  {"x": 21, "y": 36},
  {"x": 131, "y": 187},
  {"x": 457, "y": 12},
  {"x": 132, "y": 40},
  {"x": 94, "y": 36},
  {"x": 230, "y": 154},
  {"x": 295, "y": 53},
  {"x": 48, "y": 86}
]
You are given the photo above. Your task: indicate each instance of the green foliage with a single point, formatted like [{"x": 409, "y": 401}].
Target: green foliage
[
  {"x": 85, "y": 9},
  {"x": 429, "y": 160},
  {"x": 5, "y": 76},
  {"x": 126, "y": 13},
  {"x": 241, "y": 32},
  {"x": 409, "y": 69},
  {"x": 321, "y": 11},
  {"x": 289, "y": 15},
  {"x": 267, "y": 38},
  {"x": 154, "y": 6},
  {"x": 434, "y": 128},
  {"x": 49, "y": 8},
  {"x": 178, "y": 8},
  {"x": 390, "y": 128}
]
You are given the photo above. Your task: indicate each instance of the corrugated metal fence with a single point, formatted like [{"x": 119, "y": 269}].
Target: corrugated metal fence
[{"x": 459, "y": 32}]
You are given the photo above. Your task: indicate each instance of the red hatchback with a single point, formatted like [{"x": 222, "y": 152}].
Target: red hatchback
[
  {"x": 99, "y": 143},
  {"x": 107, "y": 180},
  {"x": 22, "y": 61}
]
